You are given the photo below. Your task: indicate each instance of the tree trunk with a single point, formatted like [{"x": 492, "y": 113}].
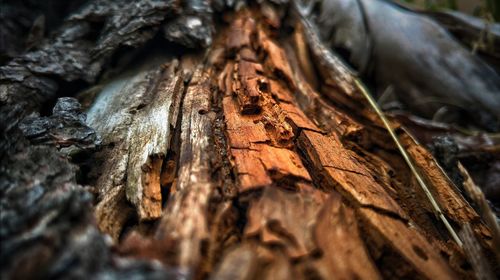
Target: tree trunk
[{"x": 256, "y": 158}]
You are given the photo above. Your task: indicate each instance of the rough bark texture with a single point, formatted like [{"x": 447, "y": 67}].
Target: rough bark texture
[{"x": 256, "y": 158}]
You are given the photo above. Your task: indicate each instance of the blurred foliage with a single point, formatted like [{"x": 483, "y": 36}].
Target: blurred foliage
[
  {"x": 488, "y": 9},
  {"x": 493, "y": 7},
  {"x": 433, "y": 5}
]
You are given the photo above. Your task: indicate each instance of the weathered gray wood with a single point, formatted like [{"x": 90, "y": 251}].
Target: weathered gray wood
[
  {"x": 135, "y": 115},
  {"x": 149, "y": 139},
  {"x": 112, "y": 115},
  {"x": 184, "y": 219}
]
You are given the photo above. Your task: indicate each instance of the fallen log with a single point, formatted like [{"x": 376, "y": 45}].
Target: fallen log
[{"x": 256, "y": 158}]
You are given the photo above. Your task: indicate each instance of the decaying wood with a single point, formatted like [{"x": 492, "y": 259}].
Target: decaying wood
[
  {"x": 367, "y": 136},
  {"x": 485, "y": 211},
  {"x": 256, "y": 159},
  {"x": 185, "y": 219},
  {"x": 112, "y": 117},
  {"x": 150, "y": 140},
  {"x": 474, "y": 254},
  {"x": 135, "y": 116},
  {"x": 341, "y": 172}
]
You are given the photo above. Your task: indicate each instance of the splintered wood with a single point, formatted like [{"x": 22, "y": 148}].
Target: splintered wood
[
  {"x": 184, "y": 221},
  {"x": 136, "y": 142},
  {"x": 150, "y": 140},
  {"x": 238, "y": 167}
]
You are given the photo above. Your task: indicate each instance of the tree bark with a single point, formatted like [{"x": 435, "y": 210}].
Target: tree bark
[{"x": 256, "y": 158}]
